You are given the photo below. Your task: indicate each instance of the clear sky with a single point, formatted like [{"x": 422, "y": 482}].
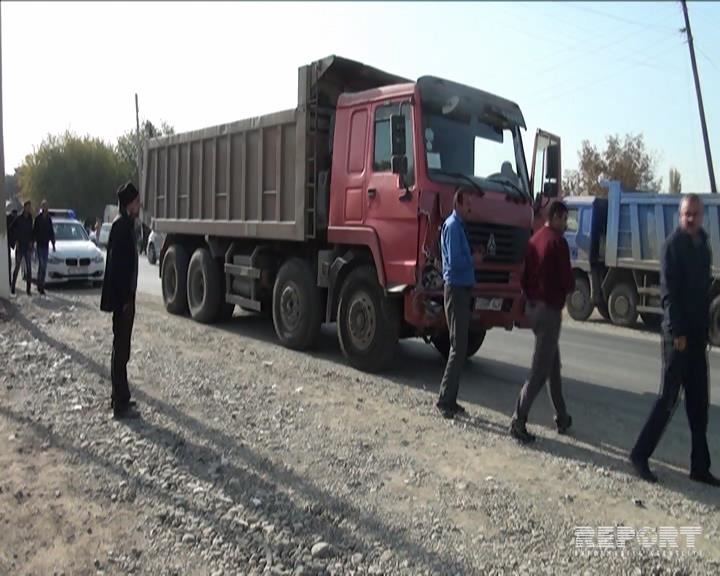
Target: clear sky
[{"x": 581, "y": 70}]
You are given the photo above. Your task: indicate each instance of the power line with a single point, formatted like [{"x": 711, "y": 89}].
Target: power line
[{"x": 644, "y": 25}]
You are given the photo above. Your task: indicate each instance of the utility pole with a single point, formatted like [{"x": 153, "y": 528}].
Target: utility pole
[
  {"x": 708, "y": 155},
  {"x": 4, "y": 272},
  {"x": 137, "y": 137}
]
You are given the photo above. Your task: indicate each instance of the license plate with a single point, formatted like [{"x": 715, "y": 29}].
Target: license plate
[{"x": 494, "y": 304}]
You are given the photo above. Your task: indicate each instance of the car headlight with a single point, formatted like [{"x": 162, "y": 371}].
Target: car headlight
[
  {"x": 54, "y": 260},
  {"x": 98, "y": 259}
]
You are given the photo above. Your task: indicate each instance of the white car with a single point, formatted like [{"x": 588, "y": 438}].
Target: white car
[
  {"x": 154, "y": 246},
  {"x": 75, "y": 257}
]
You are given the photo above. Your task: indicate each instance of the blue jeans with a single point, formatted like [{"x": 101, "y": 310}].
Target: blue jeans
[{"x": 42, "y": 254}]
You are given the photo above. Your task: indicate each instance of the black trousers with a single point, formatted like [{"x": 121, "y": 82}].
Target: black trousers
[
  {"x": 457, "y": 312},
  {"x": 22, "y": 254},
  {"x": 689, "y": 370},
  {"x": 122, "y": 335}
]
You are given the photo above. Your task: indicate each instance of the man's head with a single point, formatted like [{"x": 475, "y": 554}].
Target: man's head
[
  {"x": 557, "y": 216},
  {"x": 44, "y": 206},
  {"x": 461, "y": 203},
  {"x": 691, "y": 214},
  {"x": 14, "y": 212},
  {"x": 27, "y": 207},
  {"x": 129, "y": 199}
]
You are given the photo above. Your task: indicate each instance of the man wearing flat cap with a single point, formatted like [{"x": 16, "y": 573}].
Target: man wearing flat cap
[{"x": 118, "y": 295}]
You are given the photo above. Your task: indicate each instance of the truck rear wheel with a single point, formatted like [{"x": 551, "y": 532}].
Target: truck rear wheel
[
  {"x": 296, "y": 306},
  {"x": 174, "y": 279},
  {"x": 475, "y": 342},
  {"x": 368, "y": 323},
  {"x": 622, "y": 305},
  {"x": 579, "y": 304},
  {"x": 715, "y": 322},
  {"x": 204, "y": 287}
]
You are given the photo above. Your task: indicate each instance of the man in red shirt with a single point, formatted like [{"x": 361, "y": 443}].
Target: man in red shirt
[{"x": 547, "y": 281}]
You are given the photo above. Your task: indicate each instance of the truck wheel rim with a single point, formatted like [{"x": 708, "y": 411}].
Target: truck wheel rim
[
  {"x": 290, "y": 306},
  {"x": 361, "y": 321},
  {"x": 622, "y": 306}
]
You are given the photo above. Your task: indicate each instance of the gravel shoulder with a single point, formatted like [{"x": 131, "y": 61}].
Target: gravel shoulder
[{"x": 251, "y": 459}]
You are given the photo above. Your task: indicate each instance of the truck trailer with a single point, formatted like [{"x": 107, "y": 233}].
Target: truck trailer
[
  {"x": 615, "y": 247},
  {"x": 331, "y": 212}
]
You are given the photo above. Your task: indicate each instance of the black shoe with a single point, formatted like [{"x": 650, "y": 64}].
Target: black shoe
[
  {"x": 446, "y": 411},
  {"x": 458, "y": 409},
  {"x": 705, "y": 478},
  {"x": 127, "y": 413},
  {"x": 521, "y": 434},
  {"x": 564, "y": 425},
  {"x": 130, "y": 404},
  {"x": 642, "y": 469}
]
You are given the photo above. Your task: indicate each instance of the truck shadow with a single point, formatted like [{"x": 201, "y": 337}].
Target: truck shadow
[{"x": 607, "y": 420}]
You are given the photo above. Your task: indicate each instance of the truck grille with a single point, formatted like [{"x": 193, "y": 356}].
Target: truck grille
[
  {"x": 492, "y": 277},
  {"x": 503, "y": 244}
]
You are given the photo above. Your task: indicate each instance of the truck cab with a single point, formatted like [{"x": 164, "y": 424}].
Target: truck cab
[{"x": 399, "y": 154}]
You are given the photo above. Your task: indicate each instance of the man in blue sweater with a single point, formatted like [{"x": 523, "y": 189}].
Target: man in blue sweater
[{"x": 459, "y": 263}]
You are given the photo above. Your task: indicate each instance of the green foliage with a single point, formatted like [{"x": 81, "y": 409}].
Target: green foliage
[
  {"x": 127, "y": 143},
  {"x": 674, "y": 182},
  {"x": 69, "y": 171}
]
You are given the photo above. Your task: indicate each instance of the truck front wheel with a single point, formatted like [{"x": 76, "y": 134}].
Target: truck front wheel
[
  {"x": 622, "y": 305},
  {"x": 715, "y": 322},
  {"x": 204, "y": 287},
  {"x": 296, "y": 306},
  {"x": 174, "y": 279},
  {"x": 368, "y": 322},
  {"x": 579, "y": 304},
  {"x": 475, "y": 342}
]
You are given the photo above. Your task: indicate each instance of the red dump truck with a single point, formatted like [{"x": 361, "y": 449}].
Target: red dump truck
[{"x": 331, "y": 212}]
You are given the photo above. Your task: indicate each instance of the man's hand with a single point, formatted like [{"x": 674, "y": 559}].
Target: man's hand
[{"x": 680, "y": 343}]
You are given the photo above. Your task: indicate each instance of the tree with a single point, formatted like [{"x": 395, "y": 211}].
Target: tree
[
  {"x": 674, "y": 182},
  {"x": 82, "y": 173},
  {"x": 626, "y": 160},
  {"x": 127, "y": 143}
]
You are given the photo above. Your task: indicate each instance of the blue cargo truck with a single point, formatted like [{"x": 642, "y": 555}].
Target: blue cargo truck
[{"x": 615, "y": 248}]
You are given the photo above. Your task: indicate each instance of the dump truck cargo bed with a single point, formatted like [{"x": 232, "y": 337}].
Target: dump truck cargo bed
[{"x": 262, "y": 177}]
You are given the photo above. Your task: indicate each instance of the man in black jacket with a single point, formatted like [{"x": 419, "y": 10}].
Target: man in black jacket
[
  {"x": 22, "y": 231},
  {"x": 43, "y": 234},
  {"x": 685, "y": 288},
  {"x": 118, "y": 295}
]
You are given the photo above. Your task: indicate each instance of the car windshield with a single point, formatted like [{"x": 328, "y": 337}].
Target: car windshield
[
  {"x": 69, "y": 231},
  {"x": 461, "y": 146}
]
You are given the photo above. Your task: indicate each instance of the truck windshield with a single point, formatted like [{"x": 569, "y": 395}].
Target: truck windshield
[{"x": 458, "y": 145}]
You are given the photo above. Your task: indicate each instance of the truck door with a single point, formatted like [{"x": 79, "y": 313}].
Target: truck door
[
  {"x": 545, "y": 180},
  {"x": 391, "y": 191}
]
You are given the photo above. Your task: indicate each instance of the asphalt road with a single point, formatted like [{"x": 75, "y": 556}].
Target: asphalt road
[{"x": 604, "y": 359}]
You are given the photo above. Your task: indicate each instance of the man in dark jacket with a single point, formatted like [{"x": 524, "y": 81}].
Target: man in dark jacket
[
  {"x": 43, "y": 234},
  {"x": 685, "y": 288},
  {"x": 118, "y": 295},
  {"x": 11, "y": 238},
  {"x": 22, "y": 230}
]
